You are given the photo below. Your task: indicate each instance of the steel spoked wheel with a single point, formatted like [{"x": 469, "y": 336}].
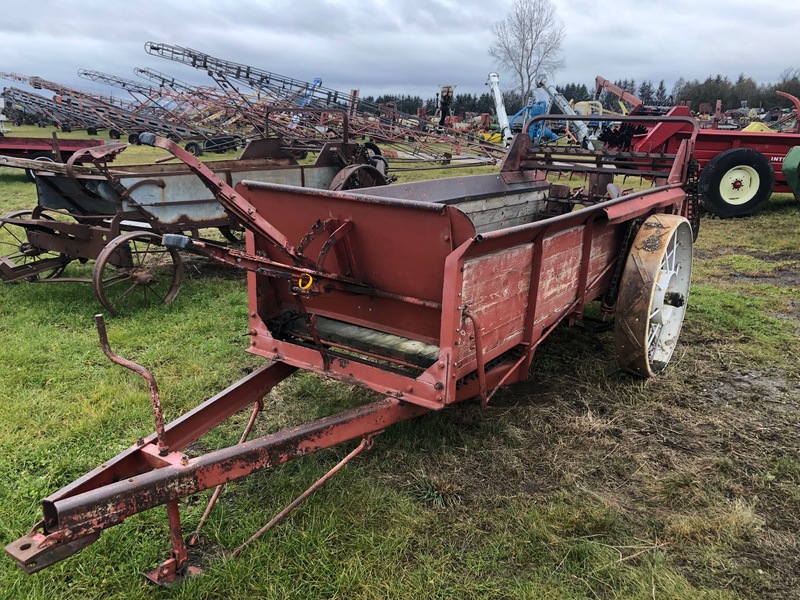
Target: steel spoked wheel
[
  {"x": 135, "y": 271},
  {"x": 16, "y": 247},
  {"x": 654, "y": 291}
]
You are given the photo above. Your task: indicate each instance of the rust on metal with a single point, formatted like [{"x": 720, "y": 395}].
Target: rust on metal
[{"x": 429, "y": 293}]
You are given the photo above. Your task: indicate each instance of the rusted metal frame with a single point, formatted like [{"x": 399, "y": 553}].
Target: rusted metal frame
[
  {"x": 641, "y": 204},
  {"x": 365, "y": 353},
  {"x": 98, "y": 509},
  {"x": 449, "y": 336},
  {"x": 322, "y": 281},
  {"x": 575, "y": 169},
  {"x": 583, "y": 271},
  {"x": 680, "y": 167},
  {"x": 304, "y": 110},
  {"x": 596, "y": 156},
  {"x": 479, "y": 357},
  {"x": 48, "y": 542},
  {"x": 532, "y": 333},
  {"x": 9, "y": 272},
  {"x": 258, "y": 406},
  {"x": 77, "y": 231},
  {"x": 231, "y": 200},
  {"x": 97, "y": 155},
  {"x": 346, "y": 256},
  {"x": 424, "y": 390},
  {"x": 311, "y": 324},
  {"x": 335, "y": 236},
  {"x": 496, "y": 376},
  {"x": 658, "y": 127},
  {"x": 366, "y": 443},
  {"x": 179, "y": 433},
  {"x": 338, "y": 234},
  {"x": 158, "y": 413},
  {"x": 796, "y": 114},
  {"x": 316, "y": 230},
  {"x": 167, "y": 573},
  {"x": 584, "y": 159}
]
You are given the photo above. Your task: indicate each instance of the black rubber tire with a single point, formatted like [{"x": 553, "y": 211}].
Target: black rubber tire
[
  {"x": 133, "y": 139},
  {"x": 372, "y": 148},
  {"x": 113, "y": 134},
  {"x": 378, "y": 159},
  {"x": 91, "y": 131},
  {"x": 42, "y": 156},
  {"x": 193, "y": 148},
  {"x": 716, "y": 170},
  {"x": 66, "y": 128}
]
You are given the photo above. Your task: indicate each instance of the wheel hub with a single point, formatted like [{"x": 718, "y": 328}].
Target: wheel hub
[
  {"x": 142, "y": 277},
  {"x": 739, "y": 185},
  {"x": 663, "y": 298}
]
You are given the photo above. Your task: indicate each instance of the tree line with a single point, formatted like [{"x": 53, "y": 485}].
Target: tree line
[
  {"x": 732, "y": 94},
  {"x": 744, "y": 91}
]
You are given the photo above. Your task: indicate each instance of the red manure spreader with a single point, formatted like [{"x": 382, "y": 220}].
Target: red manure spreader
[{"x": 428, "y": 293}]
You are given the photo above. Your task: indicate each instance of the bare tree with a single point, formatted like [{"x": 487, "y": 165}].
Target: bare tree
[{"x": 527, "y": 42}]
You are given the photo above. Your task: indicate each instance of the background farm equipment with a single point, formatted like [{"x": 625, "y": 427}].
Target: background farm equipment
[
  {"x": 738, "y": 170},
  {"x": 116, "y": 217},
  {"x": 412, "y": 140},
  {"x": 429, "y": 294},
  {"x": 43, "y": 151}
]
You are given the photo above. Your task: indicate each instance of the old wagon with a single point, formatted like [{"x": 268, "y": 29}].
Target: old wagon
[
  {"x": 430, "y": 294},
  {"x": 116, "y": 216}
]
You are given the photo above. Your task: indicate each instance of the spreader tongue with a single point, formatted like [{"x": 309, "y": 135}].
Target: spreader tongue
[{"x": 36, "y": 551}]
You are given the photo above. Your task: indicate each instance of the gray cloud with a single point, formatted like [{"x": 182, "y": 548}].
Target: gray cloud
[{"x": 398, "y": 46}]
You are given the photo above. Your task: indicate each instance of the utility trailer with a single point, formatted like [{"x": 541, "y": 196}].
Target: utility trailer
[
  {"x": 429, "y": 294},
  {"x": 43, "y": 149},
  {"x": 116, "y": 217}
]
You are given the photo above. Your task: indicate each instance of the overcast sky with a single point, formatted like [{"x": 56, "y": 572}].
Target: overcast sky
[{"x": 397, "y": 46}]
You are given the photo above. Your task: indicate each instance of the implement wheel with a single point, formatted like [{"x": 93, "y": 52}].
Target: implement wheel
[
  {"x": 356, "y": 177},
  {"x": 736, "y": 183},
  {"x": 654, "y": 290},
  {"x": 15, "y": 247},
  {"x": 135, "y": 271}
]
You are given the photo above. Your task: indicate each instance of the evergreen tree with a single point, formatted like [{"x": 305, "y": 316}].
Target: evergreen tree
[
  {"x": 646, "y": 93},
  {"x": 661, "y": 94}
]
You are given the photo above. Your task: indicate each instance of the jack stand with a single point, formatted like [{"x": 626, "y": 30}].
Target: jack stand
[{"x": 172, "y": 570}]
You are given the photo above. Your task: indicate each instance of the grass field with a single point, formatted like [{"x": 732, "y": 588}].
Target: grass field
[{"x": 581, "y": 483}]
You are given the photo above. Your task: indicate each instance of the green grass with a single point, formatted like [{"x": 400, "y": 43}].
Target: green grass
[{"x": 580, "y": 483}]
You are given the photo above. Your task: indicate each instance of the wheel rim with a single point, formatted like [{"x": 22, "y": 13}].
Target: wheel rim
[
  {"x": 653, "y": 295},
  {"x": 739, "y": 185},
  {"x": 356, "y": 177},
  {"x": 16, "y": 248},
  {"x": 135, "y": 271},
  {"x": 668, "y": 304}
]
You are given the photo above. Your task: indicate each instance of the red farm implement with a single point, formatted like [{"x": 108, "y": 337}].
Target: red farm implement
[
  {"x": 738, "y": 170},
  {"x": 430, "y": 294}
]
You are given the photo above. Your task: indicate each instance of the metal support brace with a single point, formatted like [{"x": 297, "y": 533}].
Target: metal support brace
[{"x": 366, "y": 443}]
